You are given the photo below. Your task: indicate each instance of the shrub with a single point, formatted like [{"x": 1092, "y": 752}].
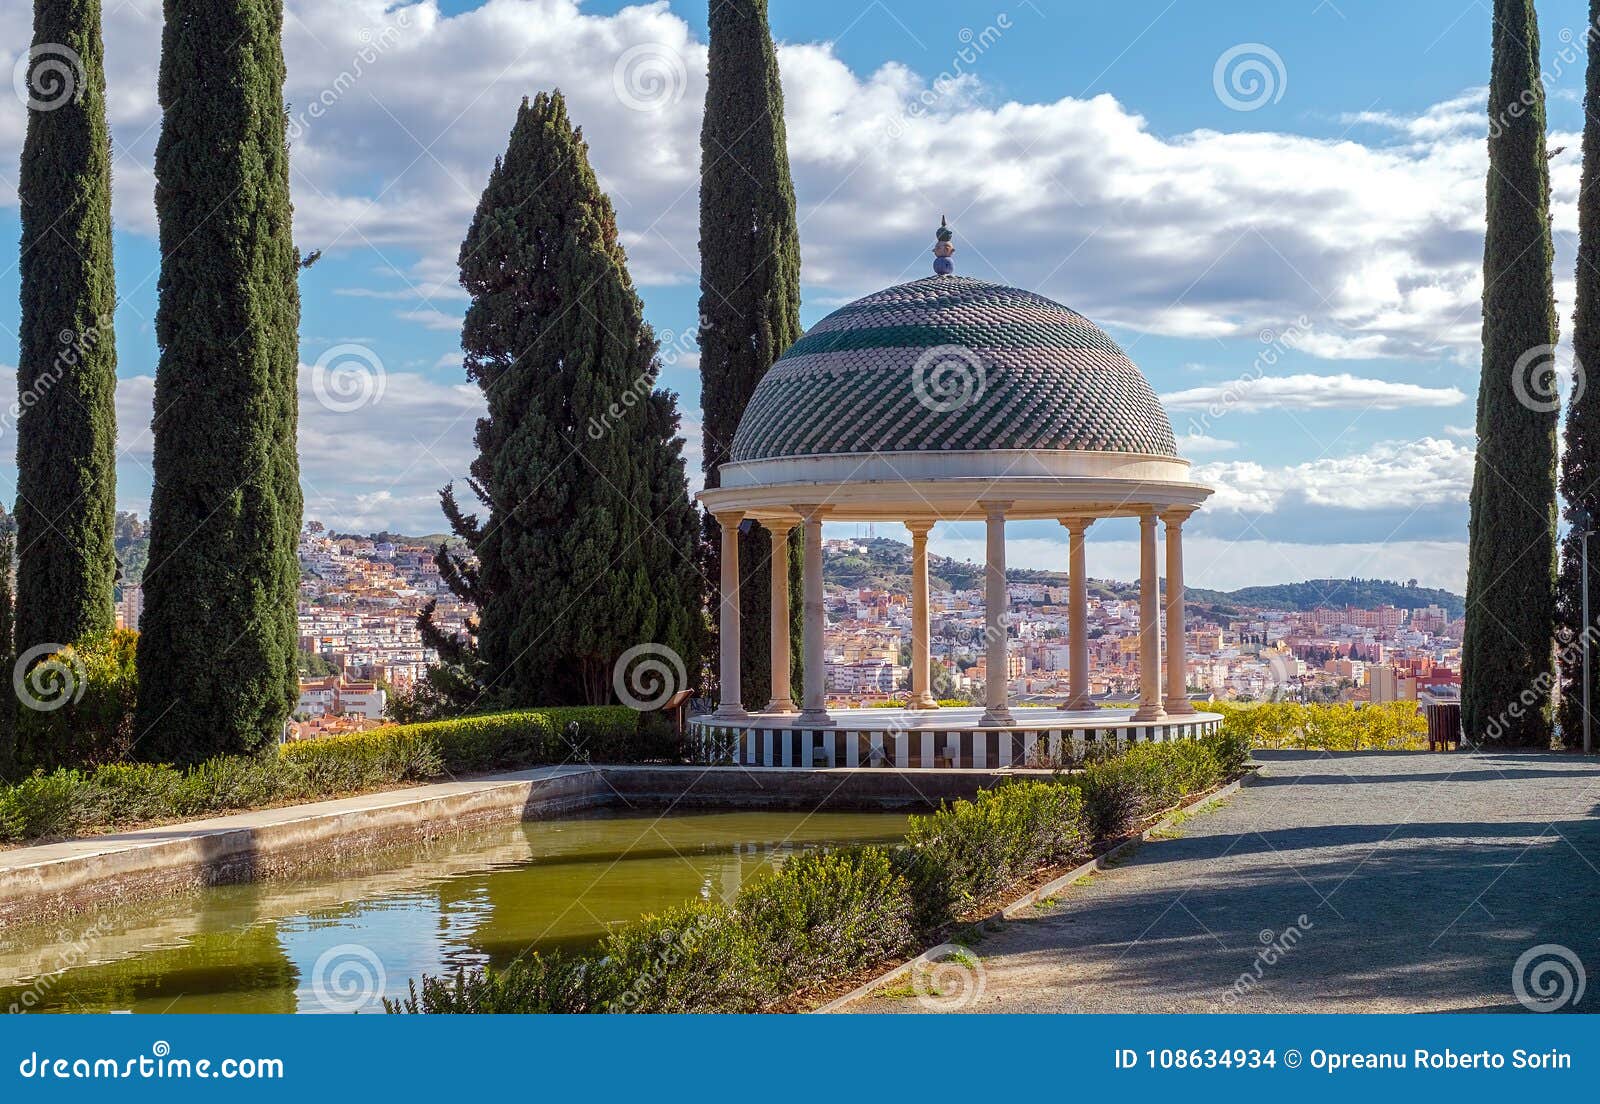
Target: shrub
[
  {"x": 968, "y": 851},
  {"x": 42, "y": 805},
  {"x": 1120, "y": 792},
  {"x": 64, "y": 801},
  {"x": 125, "y": 793},
  {"x": 487, "y": 741},
  {"x": 694, "y": 958},
  {"x": 535, "y": 983},
  {"x": 1232, "y": 750},
  {"x": 1340, "y": 726},
  {"x": 828, "y": 913},
  {"x": 90, "y": 691}
]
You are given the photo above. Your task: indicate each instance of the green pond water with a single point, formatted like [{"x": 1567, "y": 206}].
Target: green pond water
[{"x": 342, "y": 940}]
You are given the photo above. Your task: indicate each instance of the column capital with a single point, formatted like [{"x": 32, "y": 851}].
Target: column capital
[
  {"x": 1077, "y": 524},
  {"x": 995, "y": 509},
  {"x": 1148, "y": 515},
  {"x": 920, "y": 528},
  {"x": 810, "y": 511},
  {"x": 1175, "y": 516},
  {"x": 779, "y": 526},
  {"x": 729, "y": 519}
]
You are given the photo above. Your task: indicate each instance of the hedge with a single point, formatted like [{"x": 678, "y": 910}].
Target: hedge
[
  {"x": 826, "y": 915},
  {"x": 68, "y": 802},
  {"x": 1342, "y": 726}
]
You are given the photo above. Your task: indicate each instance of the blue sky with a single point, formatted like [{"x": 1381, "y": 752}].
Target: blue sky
[{"x": 1097, "y": 153}]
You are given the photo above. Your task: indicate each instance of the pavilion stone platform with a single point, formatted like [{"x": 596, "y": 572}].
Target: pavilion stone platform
[{"x": 938, "y": 738}]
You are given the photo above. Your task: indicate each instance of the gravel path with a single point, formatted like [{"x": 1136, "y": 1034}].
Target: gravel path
[{"x": 1375, "y": 882}]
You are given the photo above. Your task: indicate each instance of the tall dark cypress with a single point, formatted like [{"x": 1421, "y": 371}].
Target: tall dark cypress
[
  {"x": 8, "y": 702},
  {"x": 67, "y": 368},
  {"x": 1508, "y": 653},
  {"x": 589, "y": 533},
  {"x": 217, "y": 642},
  {"x": 1580, "y": 460},
  {"x": 749, "y": 293}
]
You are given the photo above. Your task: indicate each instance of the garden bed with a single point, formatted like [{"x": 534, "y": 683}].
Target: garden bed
[
  {"x": 1026, "y": 891},
  {"x": 116, "y": 797}
]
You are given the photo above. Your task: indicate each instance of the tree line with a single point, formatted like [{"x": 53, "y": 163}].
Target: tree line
[
  {"x": 1522, "y": 657},
  {"x": 585, "y": 542}
]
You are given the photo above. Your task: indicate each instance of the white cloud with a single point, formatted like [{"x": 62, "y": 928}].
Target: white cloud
[
  {"x": 379, "y": 465},
  {"x": 1194, "y": 444},
  {"x": 1309, "y": 392},
  {"x": 1199, "y": 234},
  {"x": 431, "y": 319},
  {"x": 1396, "y": 474}
]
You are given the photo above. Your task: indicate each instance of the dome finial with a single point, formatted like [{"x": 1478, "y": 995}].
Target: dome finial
[{"x": 943, "y": 250}]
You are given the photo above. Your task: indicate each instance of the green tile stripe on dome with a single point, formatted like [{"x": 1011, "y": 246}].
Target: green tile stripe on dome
[{"x": 952, "y": 363}]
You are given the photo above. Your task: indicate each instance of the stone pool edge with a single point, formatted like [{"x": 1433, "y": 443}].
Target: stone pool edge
[{"x": 49, "y": 880}]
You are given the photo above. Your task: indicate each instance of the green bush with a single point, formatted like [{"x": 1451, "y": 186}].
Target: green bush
[
  {"x": 694, "y": 958},
  {"x": 968, "y": 851},
  {"x": 537, "y": 983},
  {"x": 65, "y": 802},
  {"x": 1120, "y": 792},
  {"x": 88, "y": 692},
  {"x": 488, "y": 741},
  {"x": 827, "y": 914},
  {"x": 1318, "y": 726}
]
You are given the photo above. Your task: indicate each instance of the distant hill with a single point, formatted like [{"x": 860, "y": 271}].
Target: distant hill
[
  {"x": 886, "y": 564},
  {"x": 1336, "y": 594}
]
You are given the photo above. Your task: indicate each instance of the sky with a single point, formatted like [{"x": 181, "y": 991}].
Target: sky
[{"x": 1276, "y": 208}]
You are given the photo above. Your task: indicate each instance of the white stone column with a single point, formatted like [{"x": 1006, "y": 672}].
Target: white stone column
[
  {"x": 782, "y": 698},
  {"x": 921, "y": 636},
  {"x": 1078, "y": 614},
  {"x": 729, "y": 704},
  {"x": 995, "y": 683},
  {"x": 1177, "y": 652},
  {"x": 815, "y": 709},
  {"x": 1149, "y": 622}
]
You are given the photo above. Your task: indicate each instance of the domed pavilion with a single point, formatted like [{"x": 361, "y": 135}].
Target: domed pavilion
[{"x": 951, "y": 399}]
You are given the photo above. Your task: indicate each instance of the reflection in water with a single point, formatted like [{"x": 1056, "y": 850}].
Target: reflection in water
[{"x": 340, "y": 942}]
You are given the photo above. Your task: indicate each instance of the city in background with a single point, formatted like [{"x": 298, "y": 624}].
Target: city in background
[{"x": 1324, "y": 640}]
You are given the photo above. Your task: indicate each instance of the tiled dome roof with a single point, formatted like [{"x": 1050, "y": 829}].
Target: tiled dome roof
[{"x": 952, "y": 363}]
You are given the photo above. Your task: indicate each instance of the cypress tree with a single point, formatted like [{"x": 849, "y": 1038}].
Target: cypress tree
[
  {"x": 67, "y": 368},
  {"x": 589, "y": 531},
  {"x": 8, "y": 701},
  {"x": 217, "y": 646},
  {"x": 1507, "y": 656},
  {"x": 749, "y": 295},
  {"x": 1580, "y": 460}
]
